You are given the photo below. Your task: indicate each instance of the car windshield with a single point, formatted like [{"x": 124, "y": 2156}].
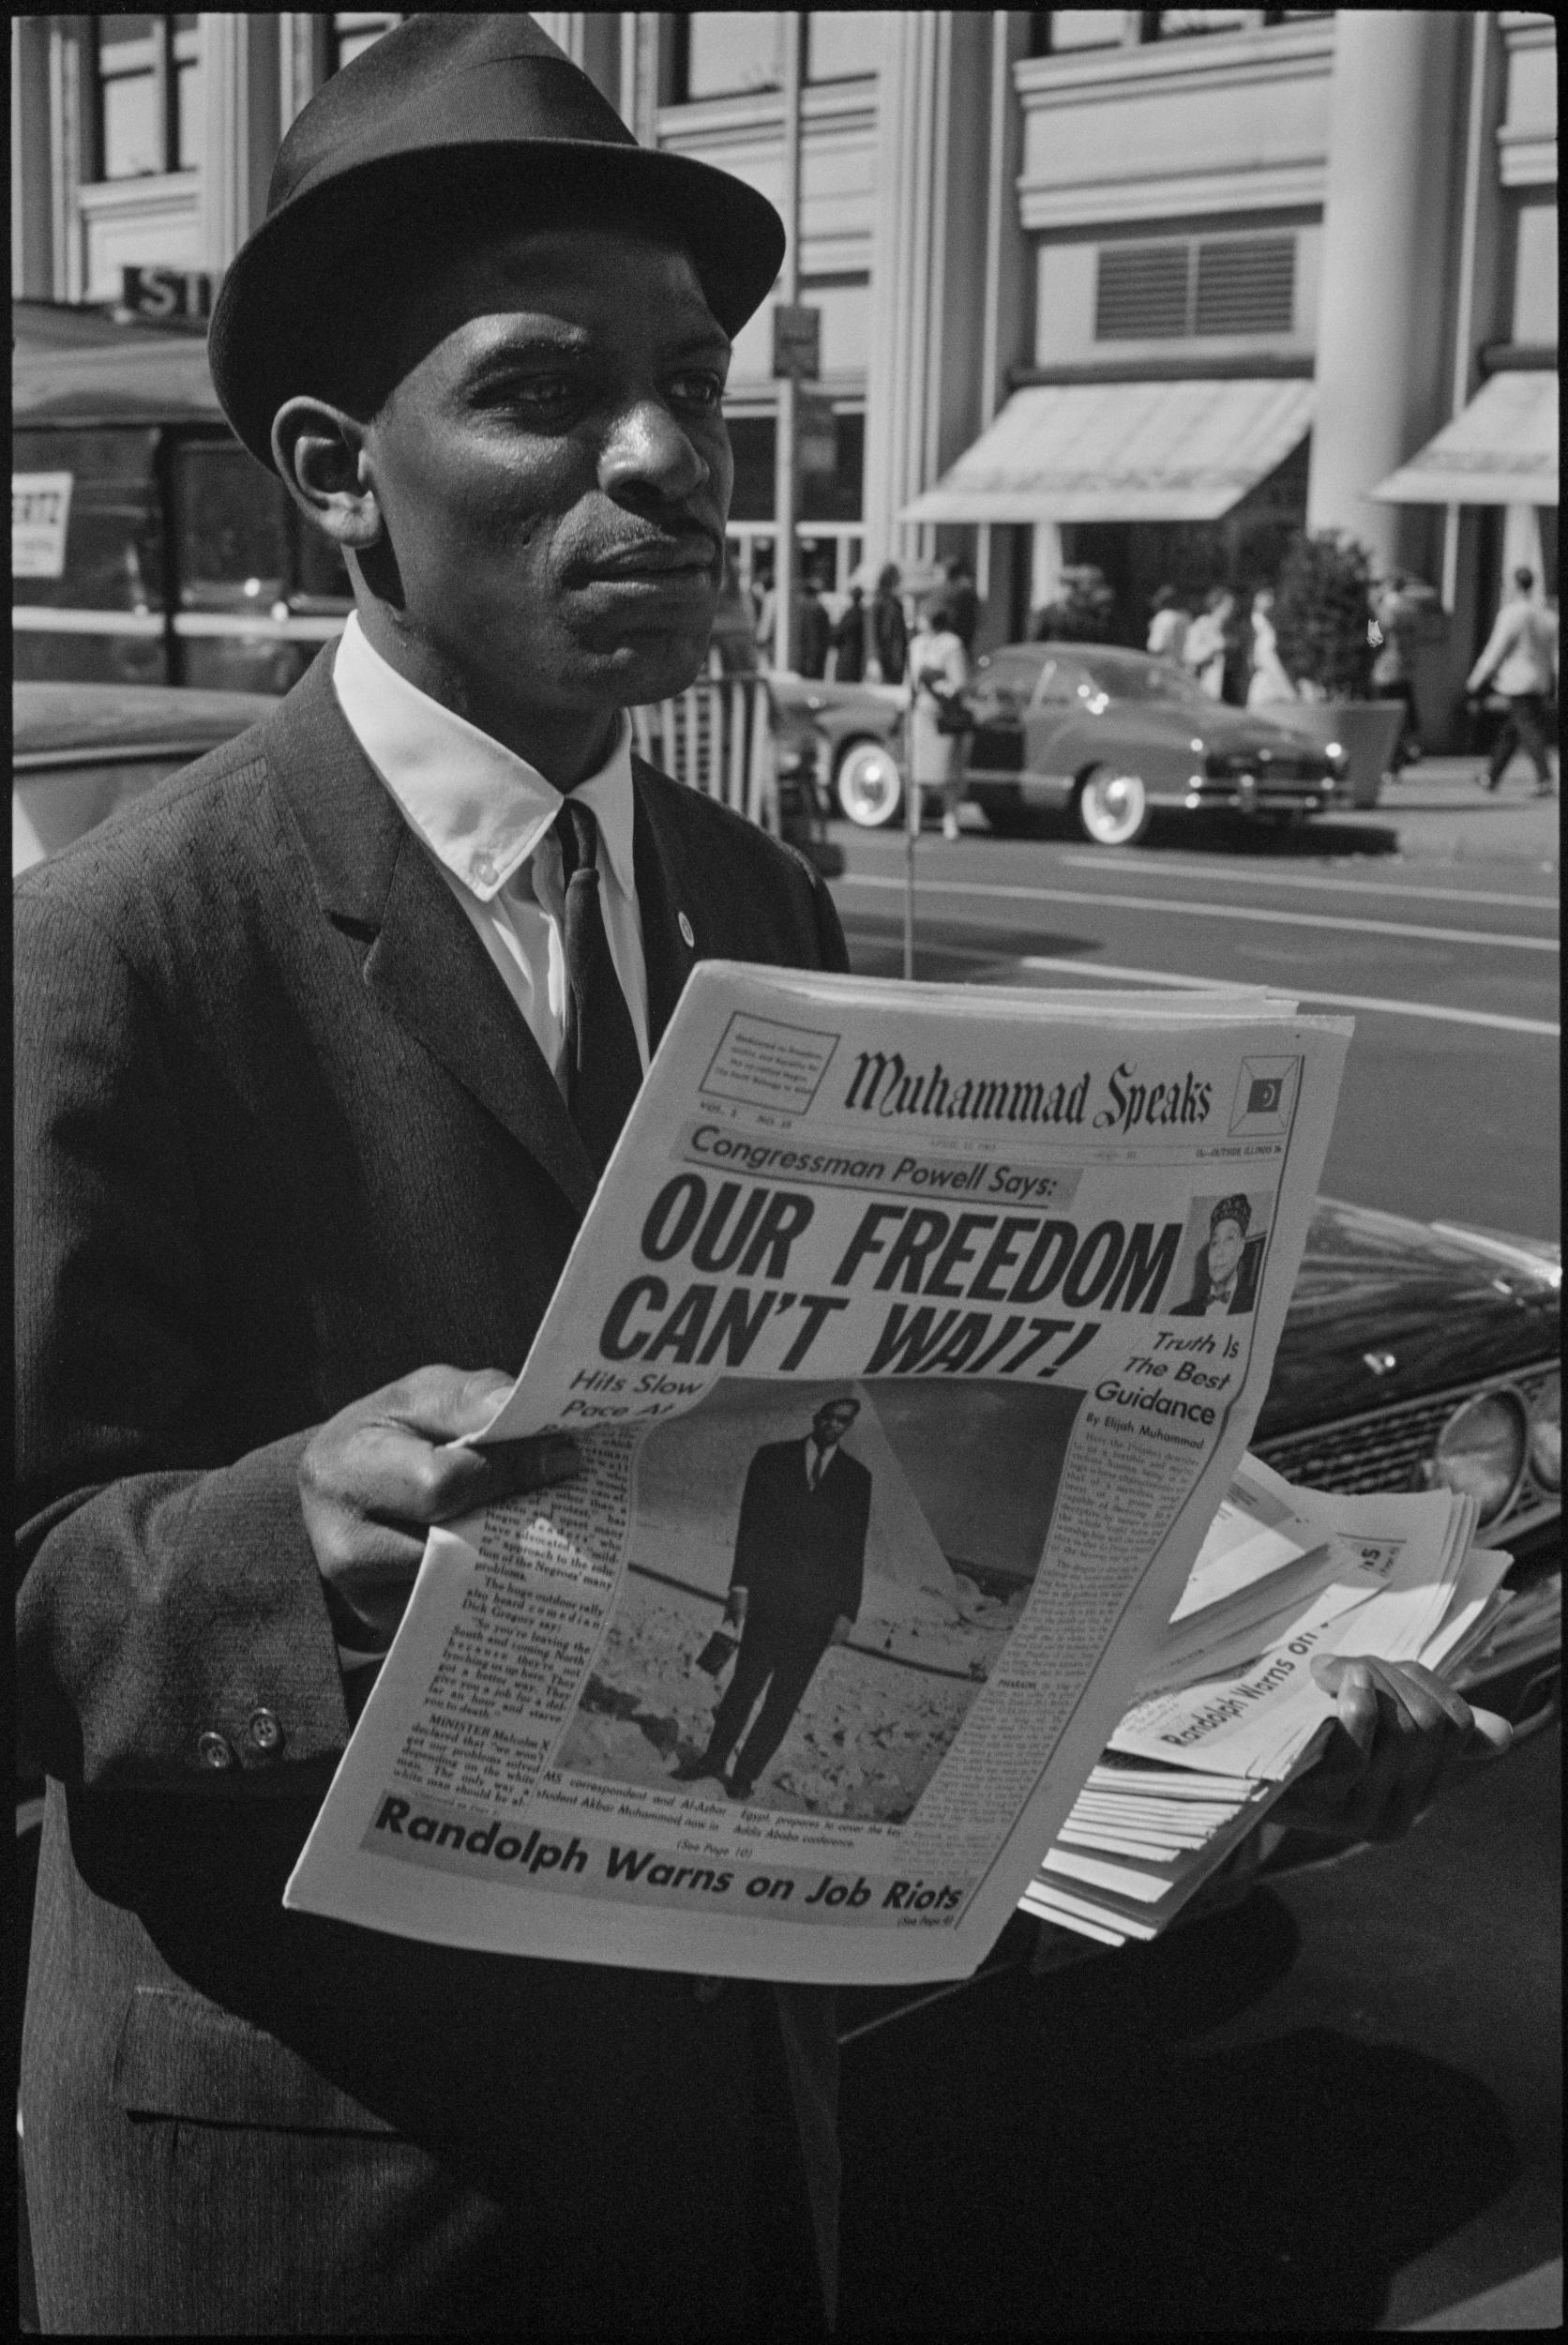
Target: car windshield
[{"x": 1127, "y": 677}]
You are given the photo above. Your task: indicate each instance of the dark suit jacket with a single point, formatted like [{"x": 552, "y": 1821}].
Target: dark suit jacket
[
  {"x": 801, "y": 1552},
  {"x": 283, "y": 1137},
  {"x": 1244, "y": 1298}
]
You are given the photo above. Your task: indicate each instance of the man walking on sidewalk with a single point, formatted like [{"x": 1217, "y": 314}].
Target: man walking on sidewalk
[{"x": 1520, "y": 659}]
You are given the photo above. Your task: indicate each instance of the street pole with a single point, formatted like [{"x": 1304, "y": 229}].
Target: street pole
[{"x": 785, "y": 491}]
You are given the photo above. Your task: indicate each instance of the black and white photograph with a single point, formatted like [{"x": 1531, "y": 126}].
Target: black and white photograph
[
  {"x": 514, "y": 513},
  {"x": 1221, "y": 1255},
  {"x": 869, "y": 1548}
]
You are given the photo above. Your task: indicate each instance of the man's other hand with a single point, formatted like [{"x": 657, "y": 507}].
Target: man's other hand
[
  {"x": 1401, "y": 1734},
  {"x": 381, "y": 1472},
  {"x": 735, "y": 1608},
  {"x": 841, "y": 1629}
]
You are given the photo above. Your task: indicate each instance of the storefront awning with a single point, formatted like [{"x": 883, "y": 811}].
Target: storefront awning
[
  {"x": 1502, "y": 450},
  {"x": 1122, "y": 452}
]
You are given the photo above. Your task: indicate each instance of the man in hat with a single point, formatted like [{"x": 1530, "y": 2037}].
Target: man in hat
[{"x": 320, "y": 1055}]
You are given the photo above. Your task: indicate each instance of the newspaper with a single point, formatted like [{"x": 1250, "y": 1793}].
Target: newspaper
[
  {"x": 942, "y": 1275},
  {"x": 1229, "y": 1713}
]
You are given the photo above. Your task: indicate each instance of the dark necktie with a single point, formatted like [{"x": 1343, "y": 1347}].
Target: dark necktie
[{"x": 604, "y": 1071}]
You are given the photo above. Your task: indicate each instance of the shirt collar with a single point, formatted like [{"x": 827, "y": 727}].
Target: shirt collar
[{"x": 479, "y": 808}]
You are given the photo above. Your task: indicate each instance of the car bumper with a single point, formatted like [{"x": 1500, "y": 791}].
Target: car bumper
[{"x": 1248, "y": 794}]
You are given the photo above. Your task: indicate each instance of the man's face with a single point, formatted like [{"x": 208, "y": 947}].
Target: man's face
[
  {"x": 552, "y": 470},
  {"x": 833, "y": 1420},
  {"x": 1224, "y": 1252}
]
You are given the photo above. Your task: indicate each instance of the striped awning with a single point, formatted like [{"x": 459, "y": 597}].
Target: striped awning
[
  {"x": 1502, "y": 450},
  {"x": 1122, "y": 453}
]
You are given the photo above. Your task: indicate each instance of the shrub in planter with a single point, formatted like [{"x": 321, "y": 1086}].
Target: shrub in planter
[{"x": 1323, "y": 604}]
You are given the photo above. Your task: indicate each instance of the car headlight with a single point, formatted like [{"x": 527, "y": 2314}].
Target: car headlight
[
  {"x": 1481, "y": 1450},
  {"x": 1545, "y": 1434}
]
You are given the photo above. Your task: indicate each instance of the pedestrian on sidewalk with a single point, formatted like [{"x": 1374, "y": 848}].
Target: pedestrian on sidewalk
[
  {"x": 1521, "y": 661},
  {"x": 1209, "y": 641},
  {"x": 848, "y": 646},
  {"x": 889, "y": 628},
  {"x": 1268, "y": 682},
  {"x": 937, "y": 673},
  {"x": 1397, "y": 607},
  {"x": 964, "y": 602},
  {"x": 1168, "y": 626}
]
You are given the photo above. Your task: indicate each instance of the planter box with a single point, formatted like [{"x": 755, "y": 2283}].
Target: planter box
[{"x": 1367, "y": 731}]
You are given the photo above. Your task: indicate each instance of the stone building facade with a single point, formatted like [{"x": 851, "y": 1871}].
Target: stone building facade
[{"x": 1361, "y": 205}]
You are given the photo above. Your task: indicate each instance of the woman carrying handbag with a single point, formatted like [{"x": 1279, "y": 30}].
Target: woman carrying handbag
[{"x": 940, "y": 716}]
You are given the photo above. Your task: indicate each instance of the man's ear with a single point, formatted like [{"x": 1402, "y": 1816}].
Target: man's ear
[{"x": 320, "y": 450}]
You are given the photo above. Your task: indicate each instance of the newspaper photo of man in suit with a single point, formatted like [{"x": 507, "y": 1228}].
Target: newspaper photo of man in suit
[
  {"x": 795, "y": 1589},
  {"x": 1225, "y": 1277}
]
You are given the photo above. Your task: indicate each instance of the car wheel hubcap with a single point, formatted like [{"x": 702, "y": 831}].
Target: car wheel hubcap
[
  {"x": 1114, "y": 806},
  {"x": 868, "y": 787}
]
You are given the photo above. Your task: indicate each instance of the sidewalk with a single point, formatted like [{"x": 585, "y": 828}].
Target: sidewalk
[{"x": 1442, "y": 815}]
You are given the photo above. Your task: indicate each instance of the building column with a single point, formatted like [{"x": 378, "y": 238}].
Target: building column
[
  {"x": 242, "y": 76},
  {"x": 1384, "y": 334},
  {"x": 31, "y": 229},
  {"x": 927, "y": 263}
]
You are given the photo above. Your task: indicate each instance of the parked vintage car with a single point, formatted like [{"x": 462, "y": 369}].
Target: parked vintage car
[
  {"x": 81, "y": 751},
  {"x": 1114, "y": 736},
  {"x": 1411, "y": 1354}
]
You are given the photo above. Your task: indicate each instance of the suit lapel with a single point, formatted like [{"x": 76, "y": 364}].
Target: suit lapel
[
  {"x": 663, "y": 894},
  {"x": 426, "y": 965},
  {"x": 430, "y": 970}
]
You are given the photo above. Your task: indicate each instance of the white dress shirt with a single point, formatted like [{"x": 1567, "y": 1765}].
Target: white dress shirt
[{"x": 486, "y": 816}]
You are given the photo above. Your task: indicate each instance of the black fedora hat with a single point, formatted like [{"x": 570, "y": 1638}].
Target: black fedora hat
[{"x": 439, "y": 101}]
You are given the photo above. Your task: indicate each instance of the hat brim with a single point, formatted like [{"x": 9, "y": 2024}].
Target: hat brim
[{"x": 271, "y": 324}]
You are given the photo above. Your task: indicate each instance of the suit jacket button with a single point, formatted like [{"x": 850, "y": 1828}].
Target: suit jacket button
[
  {"x": 708, "y": 1990},
  {"x": 213, "y": 1751},
  {"x": 265, "y": 1731}
]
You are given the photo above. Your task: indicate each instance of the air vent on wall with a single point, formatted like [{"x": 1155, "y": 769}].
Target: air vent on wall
[
  {"x": 1246, "y": 285},
  {"x": 1199, "y": 286},
  {"x": 1141, "y": 290}
]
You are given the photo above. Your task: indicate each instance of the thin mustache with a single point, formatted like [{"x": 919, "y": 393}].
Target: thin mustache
[{"x": 634, "y": 549}]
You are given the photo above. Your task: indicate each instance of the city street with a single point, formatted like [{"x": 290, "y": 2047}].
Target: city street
[{"x": 1450, "y": 968}]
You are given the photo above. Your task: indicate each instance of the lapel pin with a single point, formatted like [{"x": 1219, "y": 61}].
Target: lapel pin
[{"x": 685, "y": 926}]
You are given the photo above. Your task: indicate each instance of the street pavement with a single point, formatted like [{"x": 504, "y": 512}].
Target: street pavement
[
  {"x": 1446, "y": 956},
  {"x": 1341, "y": 2107}
]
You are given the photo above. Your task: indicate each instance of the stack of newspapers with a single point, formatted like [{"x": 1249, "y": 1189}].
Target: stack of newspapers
[{"x": 1228, "y": 1711}]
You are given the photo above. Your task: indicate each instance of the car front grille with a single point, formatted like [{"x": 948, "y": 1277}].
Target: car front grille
[
  {"x": 1389, "y": 1449},
  {"x": 1274, "y": 770}
]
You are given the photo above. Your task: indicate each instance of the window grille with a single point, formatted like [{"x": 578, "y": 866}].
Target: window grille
[{"x": 1199, "y": 286}]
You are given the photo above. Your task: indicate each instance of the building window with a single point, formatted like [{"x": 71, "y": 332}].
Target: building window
[
  {"x": 353, "y": 30},
  {"x": 843, "y": 44},
  {"x": 726, "y": 53},
  {"x": 147, "y": 85},
  {"x": 1058, "y": 32},
  {"x": 1178, "y": 23},
  {"x": 1196, "y": 286}
]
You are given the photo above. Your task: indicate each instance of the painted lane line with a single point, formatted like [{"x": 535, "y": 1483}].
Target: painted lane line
[
  {"x": 1084, "y": 899},
  {"x": 1089, "y": 971},
  {"x": 1295, "y": 879}
]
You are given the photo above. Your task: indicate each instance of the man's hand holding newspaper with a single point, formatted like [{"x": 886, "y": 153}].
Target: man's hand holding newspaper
[
  {"x": 1400, "y": 1737},
  {"x": 936, "y": 1319}
]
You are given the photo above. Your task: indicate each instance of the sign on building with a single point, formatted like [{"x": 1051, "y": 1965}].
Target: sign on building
[
  {"x": 185, "y": 293},
  {"x": 41, "y": 512},
  {"x": 797, "y": 342}
]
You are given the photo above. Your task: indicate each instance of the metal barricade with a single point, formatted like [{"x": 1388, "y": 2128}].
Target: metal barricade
[{"x": 717, "y": 737}]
